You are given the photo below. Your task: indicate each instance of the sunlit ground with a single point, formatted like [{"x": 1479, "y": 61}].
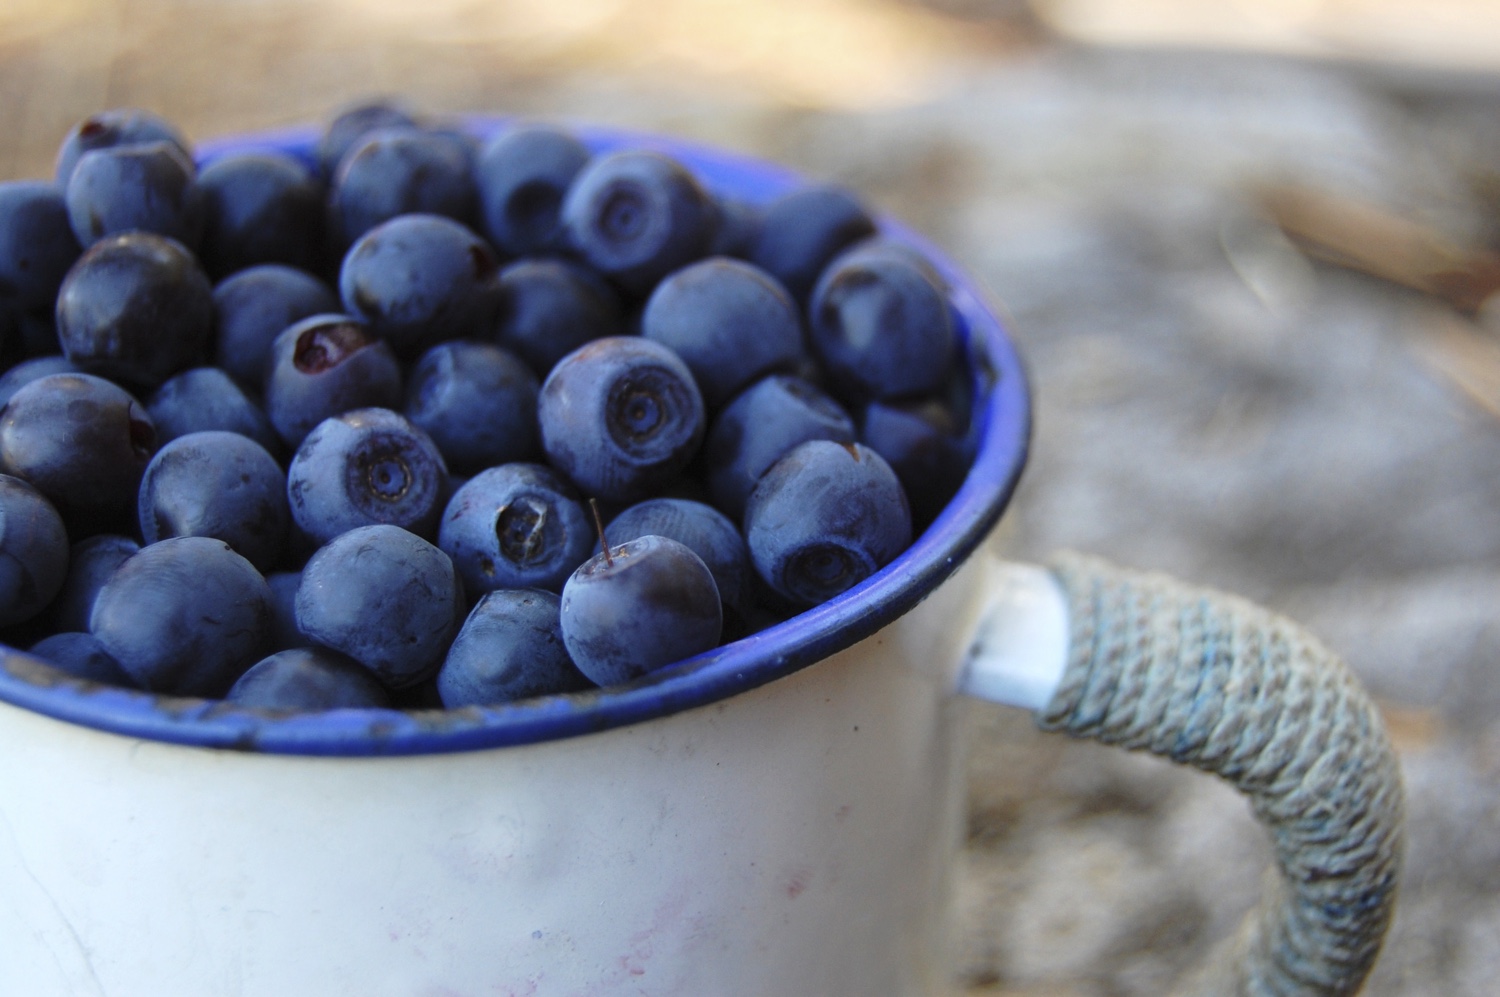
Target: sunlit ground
[{"x": 223, "y": 64}]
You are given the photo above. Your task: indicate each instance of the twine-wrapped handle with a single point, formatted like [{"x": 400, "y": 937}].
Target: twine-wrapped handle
[{"x": 1213, "y": 681}]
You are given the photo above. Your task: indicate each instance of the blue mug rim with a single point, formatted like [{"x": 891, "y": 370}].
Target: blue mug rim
[{"x": 1002, "y": 417}]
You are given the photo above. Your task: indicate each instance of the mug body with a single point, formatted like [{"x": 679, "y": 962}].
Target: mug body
[
  {"x": 794, "y": 839},
  {"x": 776, "y": 816}
]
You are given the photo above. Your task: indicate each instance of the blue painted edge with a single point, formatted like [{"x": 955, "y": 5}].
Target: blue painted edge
[{"x": 1002, "y": 416}]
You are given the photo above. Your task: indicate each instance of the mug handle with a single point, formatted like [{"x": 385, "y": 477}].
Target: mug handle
[{"x": 1144, "y": 662}]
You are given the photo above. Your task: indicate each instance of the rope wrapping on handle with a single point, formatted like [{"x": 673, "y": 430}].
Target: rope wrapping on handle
[{"x": 1215, "y": 682}]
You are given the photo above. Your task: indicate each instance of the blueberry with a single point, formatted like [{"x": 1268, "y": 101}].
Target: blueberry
[
  {"x": 477, "y": 402},
  {"x": 638, "y": 607},
  {"x": 354, "y": 123},
  {"x": 546, "y": 309},
  {"x": 878, "y": 247},
  {"x": 284, "y": 632},
  {"x": 386, "y": 598},
  {"x": 261, "y": 207},
  {"x": 185, "y": 616},
  {"x": 802, "y": 231},
  {"x": 363, "y": 467},
  {"x": 113, "y": 128},
  {"x": 824, "y": 518},
  {"x": 922, "y": 444},
  {"x": 620, "y": 416},
  {"x": 736, "y": 228},
  {"x": 523, "y": 174},
  {"x": 33, "y": 551},
  {"x": 515, "y": 526},
  {"x": 757, "y": 429},
  {"x": 220, "y": 485},
  {"x": 83, "y": 442},
  {"x": 636, "y": 216},
  {"x": 34, "y": 369},
  {"x": 325, "y": 365},
  {"x": 308, "y": 678},
  {"x": 203, "y": 399},
  {"x": 510, "y": 647},
  {"x": 882, "y": 328},
  {"x": 81, "y": 656},
  {"x": 150, "y": 187},
  {"x": 401, "y": 171},
  {"x": 730, "y": 322},
  {"x": 37, "y": 245},
  {"x": 420, "y": 280},
  {"x": 90, "y": 563},
  {"x": 701, "y": 528},
  {"x": 135, "y": 308},
  {"x": 253, "y": 307}
]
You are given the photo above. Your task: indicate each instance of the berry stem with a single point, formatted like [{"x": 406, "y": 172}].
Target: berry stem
[{"x": 609, "y": 562}]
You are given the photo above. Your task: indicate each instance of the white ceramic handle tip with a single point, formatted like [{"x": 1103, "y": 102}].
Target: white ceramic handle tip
[{"x": 1020, "y": 649}]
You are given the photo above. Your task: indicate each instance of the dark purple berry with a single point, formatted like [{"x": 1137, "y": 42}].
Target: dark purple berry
[
  {"x": 185, "y": 616},
  {"x": 638, "y": 607},
  {"x": 621, "y": 417},
  {"x": 824, "y": 518},
  {"x": 510, "y": 647},
  {"x": 136, "y": 308}
]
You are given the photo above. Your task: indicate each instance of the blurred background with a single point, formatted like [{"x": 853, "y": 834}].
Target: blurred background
[{"x": 1246, "y": 247}]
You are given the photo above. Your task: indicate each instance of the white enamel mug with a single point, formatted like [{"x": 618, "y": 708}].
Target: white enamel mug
[{"x": 776, "y": 817}]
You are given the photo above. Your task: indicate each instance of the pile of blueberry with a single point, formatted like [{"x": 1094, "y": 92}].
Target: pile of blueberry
[{"x": 344, "y": 430}]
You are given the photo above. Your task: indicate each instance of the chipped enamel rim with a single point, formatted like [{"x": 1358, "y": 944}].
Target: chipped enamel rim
[{"x": 1002, "y": 417}]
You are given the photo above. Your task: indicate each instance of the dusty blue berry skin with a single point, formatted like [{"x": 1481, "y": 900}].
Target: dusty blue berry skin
[
  {"x": 510, "y": 648},
  {"x": 206, "y": 398},
  {"x": 82, "y": 656},
  {"x": 37, "y": 244},
  {"x": 260, "y": 207},
  {"x": 108, "y": 129},
  {"x": 701, "y": 528},
  {"x": 548, "y": 308},
  {"x": 516, "y": 526},
  {"x": 150, "y": 188},
  {"x": 364, "y": 467},
  {"x": 185, "y": 616},
  {"x": 650, "y": 603},
  {"x": 803, "y": 230},
  {"x": 921, "y": 443},
  {"x": 253, "y": 307},
  {"x": 636, "y": 216},
  {"x": 34, "y": 369},
  {"x": 325, "y": 365},
  {"x": 730, "y": 322},
  {"x": 736, "y": 228},
  {"x": 33, "y": 551},
  {"x": 83, "y": 442},
  {"x": 420, "y": 280},
  {"x": 308, "y": 678},
  {"x": 135, "y": 308},
  {"x": 882, "y": 328},
  {"x": 523, "y": 174},
  {"x": 823, "y": 519},
  {"x": 354, "y": 123},
  {"x": 401, "y": 171},
  {"x": 221, "y": 485},
  {"x": 90, "y": 563},
  {"x": 757, "y": 429},
  {"x": 621, "y": 417},
  {"x": 386, "y": 598},
  {"x": 284, "y": 632},
  {"x": 477, "y": 402}
]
